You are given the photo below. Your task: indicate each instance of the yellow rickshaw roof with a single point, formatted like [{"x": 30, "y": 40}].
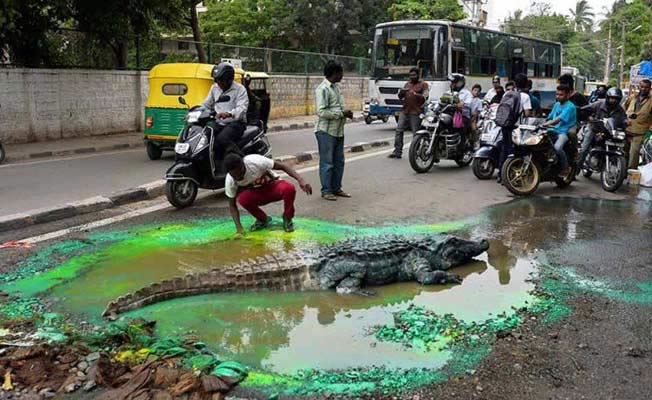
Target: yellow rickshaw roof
[{"x": 194, "y": 70}]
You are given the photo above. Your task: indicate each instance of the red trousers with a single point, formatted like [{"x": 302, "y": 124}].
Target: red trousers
[{"x": 252, "y": 199}]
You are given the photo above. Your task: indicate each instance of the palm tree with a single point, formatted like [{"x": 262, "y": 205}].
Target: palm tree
[{"x": 582, "y": 15}]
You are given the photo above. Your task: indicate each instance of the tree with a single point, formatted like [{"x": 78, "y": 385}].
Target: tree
[
  {"x": 582, "y": 16},
  {"x": 427, "y": 9},
  {"x": 192, "y": 20},
  {"x": 26, "y": 28}
]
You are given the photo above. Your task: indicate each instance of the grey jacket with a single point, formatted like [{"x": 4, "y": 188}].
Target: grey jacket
[{"x": 237, "y": 105}]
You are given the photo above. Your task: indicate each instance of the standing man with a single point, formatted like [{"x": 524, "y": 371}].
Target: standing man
[
  {"x": 331, "y": 116},
  {"x": 251, "y": 181},
  {"x": 639, "y": 114},
  {"x": 524, "y": 110},
  {"x": 495, "y": 82},
  {"x": 414, "y": 95}
]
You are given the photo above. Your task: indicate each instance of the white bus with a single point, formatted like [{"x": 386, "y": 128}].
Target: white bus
[{"x": 438, "y": 48}]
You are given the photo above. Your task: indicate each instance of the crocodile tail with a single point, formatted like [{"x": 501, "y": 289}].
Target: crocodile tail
[{"x": 285, "y": 271}]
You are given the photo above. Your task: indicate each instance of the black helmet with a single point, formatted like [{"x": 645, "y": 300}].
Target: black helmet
[
  {"x": 615, "y": 93},
  {"x": 223, "y": 72},
  {"x": 457, "y": 80}
]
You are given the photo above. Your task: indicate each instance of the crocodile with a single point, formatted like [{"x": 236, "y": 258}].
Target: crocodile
[{"x": 348, "y": 266}]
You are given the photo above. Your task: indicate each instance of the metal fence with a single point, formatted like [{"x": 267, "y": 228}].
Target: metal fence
[{"x": 75, "y": 49}]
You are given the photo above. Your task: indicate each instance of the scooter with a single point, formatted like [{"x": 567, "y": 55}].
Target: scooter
[
  {"x": 486, "y": 157},
  {"x": 195, "y": 165}
]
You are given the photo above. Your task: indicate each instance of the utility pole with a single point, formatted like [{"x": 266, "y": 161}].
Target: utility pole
[
  {"x": 607, "y": 63},
  {"x": 622, "y": 57}
]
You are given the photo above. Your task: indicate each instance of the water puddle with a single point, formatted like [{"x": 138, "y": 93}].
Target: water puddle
[{"x": 287, "y": 332}]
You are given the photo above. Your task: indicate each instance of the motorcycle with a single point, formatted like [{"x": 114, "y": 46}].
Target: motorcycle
[
  {"x": 487, "y": 156},
  {"x": 369, "y": 118},
  {"x": 646, "y": 152},
  {"x": 2, "y": 153},
  {"x": 438, "y": 139},
  {"x": 606, "y": 155},
  {"x": 195, "y": 166},
  {"x": 535, "y": 159}
]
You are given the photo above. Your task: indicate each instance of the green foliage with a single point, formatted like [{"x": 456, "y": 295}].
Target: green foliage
[
  {"x": 427, "y": 9},
  {"x": 582, "y": 16}
]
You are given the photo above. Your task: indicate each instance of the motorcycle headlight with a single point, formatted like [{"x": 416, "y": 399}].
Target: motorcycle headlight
[
  {"x": 533, "y": 140},
  {"x": 619, "y": 135},
  {"x": 430, "y": 118}
]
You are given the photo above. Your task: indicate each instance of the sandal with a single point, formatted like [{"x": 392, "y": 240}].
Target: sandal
[
  {"x": 288, "y": 225},
  {"x": 258, "y": 225}
]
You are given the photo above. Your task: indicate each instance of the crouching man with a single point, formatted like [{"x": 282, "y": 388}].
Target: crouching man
[{"x": 252, "y": 182}]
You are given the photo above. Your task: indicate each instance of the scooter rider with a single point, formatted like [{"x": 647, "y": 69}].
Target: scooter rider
[
  {"x": 231, "y": 115},
  {"x": 604, "y": 108}
]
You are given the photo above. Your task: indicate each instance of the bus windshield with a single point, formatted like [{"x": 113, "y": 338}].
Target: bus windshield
[{"x": 399, "y": 48}]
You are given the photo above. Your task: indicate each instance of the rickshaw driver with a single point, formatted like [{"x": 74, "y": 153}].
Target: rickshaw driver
[{"x": 232, "y": 114}]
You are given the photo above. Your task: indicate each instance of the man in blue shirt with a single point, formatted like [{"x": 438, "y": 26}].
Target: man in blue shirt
[{"x": 562, "y": 119}]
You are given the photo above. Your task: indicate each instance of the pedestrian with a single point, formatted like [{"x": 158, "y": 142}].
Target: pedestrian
[
  {"x": 331, "y": 116},
  {"x": 414, "y": 94},
  {"x": 491, "y": 93},
  {"x": 561, "y": 120},
  {"x": 231, "y": 115},
  {"x": 639, "y": 114},
  {"x": 252, "y": 182}
]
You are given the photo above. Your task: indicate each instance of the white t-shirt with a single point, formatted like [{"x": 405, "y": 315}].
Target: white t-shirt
[
  {"x": 256, "y": 174},
  {"x": 526, "y": 104},
  {"x": 466, "y": 97}
]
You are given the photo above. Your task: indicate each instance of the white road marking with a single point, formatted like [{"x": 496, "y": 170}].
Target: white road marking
[
  {"x": 163, "y": 205},
  {"x": 79, "y": 157}
]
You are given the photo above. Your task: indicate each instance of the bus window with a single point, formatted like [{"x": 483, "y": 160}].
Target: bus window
[
  {"x": 397, "y": 49},
  {"x": 459, "y": 61}
]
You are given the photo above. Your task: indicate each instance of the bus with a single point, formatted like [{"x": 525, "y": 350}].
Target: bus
[{"x": 440, "y": 47}]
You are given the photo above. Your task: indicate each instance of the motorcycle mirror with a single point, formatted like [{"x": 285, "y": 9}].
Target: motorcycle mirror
[
  {"x": 182, "y": 101},
  {"x": 223, "y": 99}
]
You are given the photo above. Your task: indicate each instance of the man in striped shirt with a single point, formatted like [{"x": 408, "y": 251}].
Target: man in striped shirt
[{"x": 331, "y": 116}]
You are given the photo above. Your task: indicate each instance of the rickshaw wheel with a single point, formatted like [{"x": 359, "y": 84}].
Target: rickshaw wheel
[{"x": 153, "y": 151}]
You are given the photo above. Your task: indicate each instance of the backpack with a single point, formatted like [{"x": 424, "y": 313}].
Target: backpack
[{"x": 508, "y": 110}]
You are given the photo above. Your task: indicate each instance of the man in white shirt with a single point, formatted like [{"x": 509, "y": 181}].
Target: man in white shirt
[{"x": 252, "y": 182}]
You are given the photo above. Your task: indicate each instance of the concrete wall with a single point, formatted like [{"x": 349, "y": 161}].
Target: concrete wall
[{"x": 47, "y": 104}]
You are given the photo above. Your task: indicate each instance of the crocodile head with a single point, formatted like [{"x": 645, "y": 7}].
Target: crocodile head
[{"x": 453, "y": 251}]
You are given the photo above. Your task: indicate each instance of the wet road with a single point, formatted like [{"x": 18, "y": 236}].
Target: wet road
[{"x": 27, "y": 186}]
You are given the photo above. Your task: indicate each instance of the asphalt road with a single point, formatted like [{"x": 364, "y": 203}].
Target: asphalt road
[{"x": 32, "y": 185}]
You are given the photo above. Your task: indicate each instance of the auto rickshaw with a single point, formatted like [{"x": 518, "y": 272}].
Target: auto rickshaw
[{"x": 164, "y": 116}]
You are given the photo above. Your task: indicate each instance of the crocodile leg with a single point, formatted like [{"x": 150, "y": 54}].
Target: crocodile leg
[
  {"x": 351, "y": 285},
  {"x": 423, "y": 273}
]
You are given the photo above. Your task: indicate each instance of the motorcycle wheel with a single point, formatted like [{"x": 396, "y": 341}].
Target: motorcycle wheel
[
  {"x": 483, "y": 168},
  {"x": 367, "y": 120},
  {"x": 613, "y": 174},
  {"x": 514, "y": 179},
  {"x": 153, "y": 151},
  {"x": 2, "y": 153},
  {"x": 181, "y": 194},
  {"x": 419, "y": 161},
  {"x": 385, "y": 118}
]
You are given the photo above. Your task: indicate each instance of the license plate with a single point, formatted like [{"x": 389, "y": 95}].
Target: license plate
[{"x": 181, "y": 148}]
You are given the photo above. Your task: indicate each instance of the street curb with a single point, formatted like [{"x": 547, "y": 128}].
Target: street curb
[
  {"x": 147, "y": 191},
  {"x": 131, "y": 144}
]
